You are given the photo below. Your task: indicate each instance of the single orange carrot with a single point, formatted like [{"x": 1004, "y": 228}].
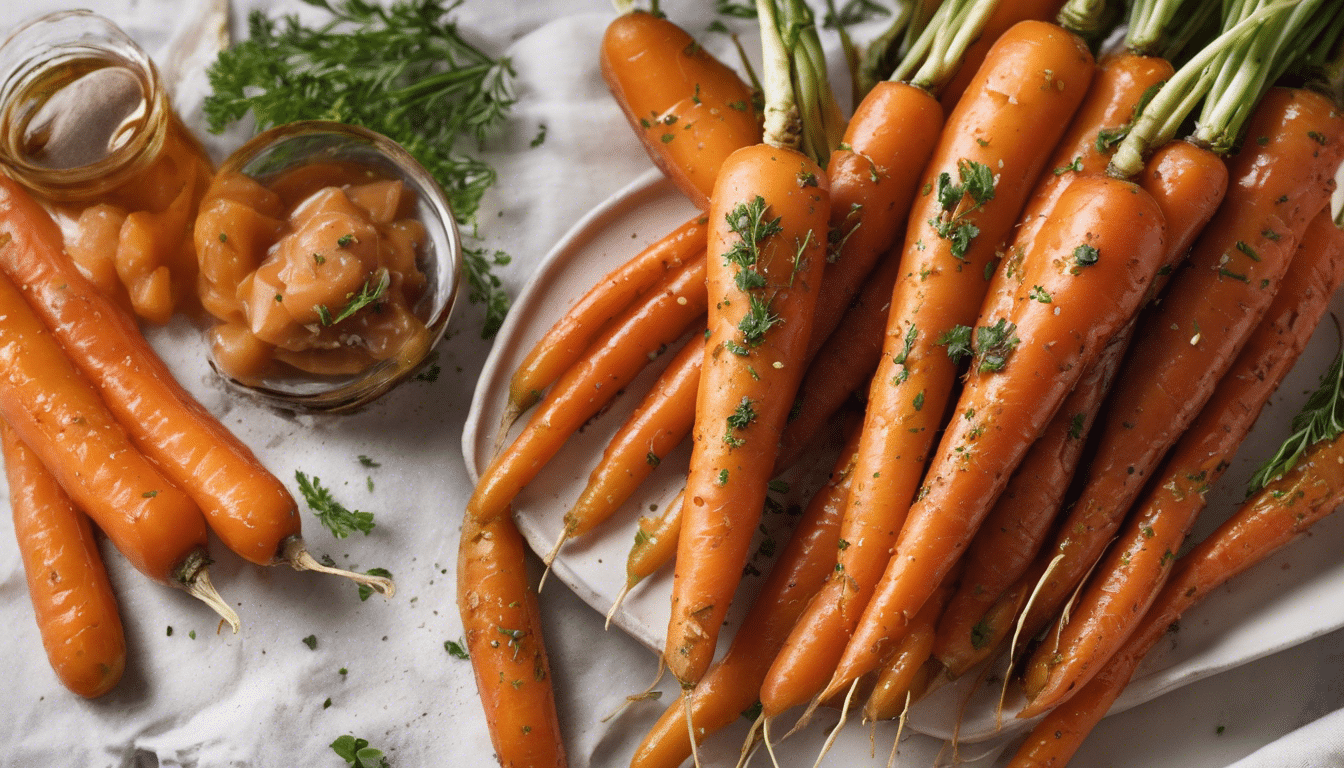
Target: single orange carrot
[
  {"x": 769, "y": 215},
  {"x": 689, "y": 109},
  {"x": 502, "y": 627},
  {"x": 72, "y": 598}
]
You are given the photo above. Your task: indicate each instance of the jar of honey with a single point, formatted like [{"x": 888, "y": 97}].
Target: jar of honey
[{"x": 86, "y": 125}]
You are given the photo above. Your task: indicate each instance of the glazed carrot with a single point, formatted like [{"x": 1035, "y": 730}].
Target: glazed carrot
[
  {"x": 502, "y": 627},
  {"x": 1277, "y": 514},
  {"x": 75, "y": 609},
  {"x": 1136, "y": 567},
  {"x": 1073, "y": 298},
  {"x": 655, "y": 542},
  {"x": 59, "y": 415},
  {"x": 844, "y": 364},
  {"x": 874, "y": 177},
  {"x": 769, "y": 219},
  {"x": 1188, "y": 183},
  {"x": 907, "y": 674},
  {"x": 567, "y": 340},
  {"x": 766, "y": 252},
  {"x": 1007, "y": 14},
  {"x": 660, "y": 422},
  {"x": 733, "y": 684},
  {"x": 1277, "y": 186},
  {"x": 247, "y": 507},
  {"x": 941, "y": 286},
  {"x": 690, "y": 110},
  {"x": 613, "y": 360}
]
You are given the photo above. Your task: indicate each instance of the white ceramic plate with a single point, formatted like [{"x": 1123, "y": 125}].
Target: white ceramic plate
[{"x": 1290, "y": 599}]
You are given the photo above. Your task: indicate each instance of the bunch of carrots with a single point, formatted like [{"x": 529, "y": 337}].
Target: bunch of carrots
[
  {"x": 95, "y": 428},
  {"x": 1009, "y": 250}
]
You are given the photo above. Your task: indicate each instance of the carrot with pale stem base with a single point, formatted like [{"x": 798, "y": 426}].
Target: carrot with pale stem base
[
  {"x": 1277, "y": 186},
  {"x": 765, "y": 257}
]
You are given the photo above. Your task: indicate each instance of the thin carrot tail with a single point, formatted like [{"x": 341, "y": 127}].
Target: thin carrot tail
[
  {"x": 625, "y": 590},
  {"x": 300, "y": 559},
  {"x": 198, "y": 586}
]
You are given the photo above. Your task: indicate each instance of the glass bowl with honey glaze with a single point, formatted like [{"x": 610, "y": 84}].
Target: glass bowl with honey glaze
[{"x": 331, "y": 260}]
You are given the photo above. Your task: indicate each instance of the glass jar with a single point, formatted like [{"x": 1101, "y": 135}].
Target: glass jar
[
  {"x": 250, "y": 212},
  {"x": 81, "y": 105}
]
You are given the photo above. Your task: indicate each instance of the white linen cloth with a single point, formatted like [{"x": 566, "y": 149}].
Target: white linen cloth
[{"x": 259, "y": 698}]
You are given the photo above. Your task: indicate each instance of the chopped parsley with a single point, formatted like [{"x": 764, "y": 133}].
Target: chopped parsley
[
  {"x": 337, "y": 519},
  {"x": 456, "y": 649},
  {"x": 1039, "y": 293},
  {"x": 311, "y": 642},
  {"x": 1085, "y": 255},
  {"x": 977, "y": 182},
  {"x": 367, "y": 295},
  {"x": 358, "y": 754},
  {"x": 957, "y": 339},
  {"x": 994, "y": 344}
]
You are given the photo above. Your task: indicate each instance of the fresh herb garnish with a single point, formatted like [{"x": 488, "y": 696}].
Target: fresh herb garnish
[
  {"x": 977, "y": 182},
  {"x": 358, "y": 754},
  {"x": 957, "y": 339},
  {"x": 339, "y": 520},
  {"x": 457, "y": 650},
  {"x": 358, "y": 301},
  {"x": 311, "y": 642},
  {"x": 404, "y": 71},
  {"x": 901, "y": 357},
  {"x": 1321, "y": 418},
  {"x": 1039, "y": 293},
  {"x": 993, "y": 344},
  {"x": 365, "y": 461},
  {"x": 748, "y": 222}
]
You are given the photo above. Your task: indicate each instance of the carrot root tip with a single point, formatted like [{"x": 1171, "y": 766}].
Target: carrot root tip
[
  {"x": 199, "y": 587},
  {"x": 617, "y": 604},
  {"x": 300, "y": 559}
]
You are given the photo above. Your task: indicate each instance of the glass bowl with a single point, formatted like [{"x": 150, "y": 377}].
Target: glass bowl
[{"x": 286, "y": 148}]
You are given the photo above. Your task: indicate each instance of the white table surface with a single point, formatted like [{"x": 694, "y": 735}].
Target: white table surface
[{"x": 256, "y": 699}]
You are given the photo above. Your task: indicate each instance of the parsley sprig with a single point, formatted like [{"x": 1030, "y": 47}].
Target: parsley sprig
[
  {"x": 1321, "y": 418},
  {"x": 977, "y": 183},
  {"x": 404, "y": 71},
  {"x": 367, "y": 295},
  {"x": 331, "y": 513}
]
